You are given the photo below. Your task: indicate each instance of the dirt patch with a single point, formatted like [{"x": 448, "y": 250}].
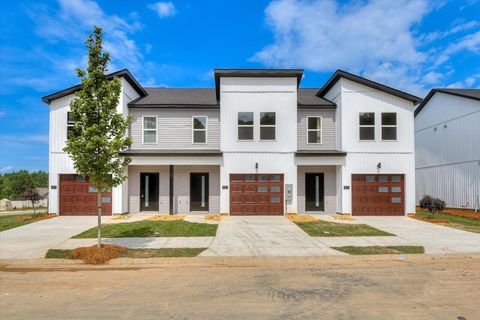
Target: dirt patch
[
  {"x": 345, "y": 217},
  {"x": 167, "y": 218},
  {"x": 95, "y": 255},
  {"x": 213, "y": 217},
  {"x": 37, "y": 218},
  {"x": 431, "y": 220},
  {"x": 300, "y": 218}
]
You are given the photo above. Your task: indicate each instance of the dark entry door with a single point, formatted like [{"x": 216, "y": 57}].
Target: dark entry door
[
  {"x": 149, "y": 184},
  {"x": 198, "y": 191},
  {"x": 314, "y": 192}
]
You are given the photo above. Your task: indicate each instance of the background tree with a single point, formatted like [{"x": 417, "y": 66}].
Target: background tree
[
  {"x": 99, "y": 131},
  {"x": 432, "y": 204},
  {"x": 13, "y": 184},
  {"x": 32, "y": 195}
]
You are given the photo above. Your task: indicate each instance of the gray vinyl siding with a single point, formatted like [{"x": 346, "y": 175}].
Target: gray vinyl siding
[
  {"x": 174, "y": 128},
  {"x": 328, "y": 129}
]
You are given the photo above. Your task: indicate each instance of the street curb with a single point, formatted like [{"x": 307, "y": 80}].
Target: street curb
[{"x": 182, "y": 262}]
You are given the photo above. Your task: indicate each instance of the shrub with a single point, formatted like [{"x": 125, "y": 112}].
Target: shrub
[{"x": 432, "y": 204}]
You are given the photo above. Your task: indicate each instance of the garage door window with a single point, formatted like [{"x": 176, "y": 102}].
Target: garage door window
[
  {"x": 382, "y": 189},
  {"x": 396, "y": 200},
  {"x": 396, "y": 178},
  {"x": 275, "y": 189},
  {"x": 367, "y": 126},
  {"x": 383, "y": 178},
  {"x": 396, "y": 189},
  {"x": 275, "y": 200},
  {"x": 262, "y": 189},
  {"x": 275, "y": 178},
  {"x": 262, "y": 178},
  {"x": 370, "y": 178}
]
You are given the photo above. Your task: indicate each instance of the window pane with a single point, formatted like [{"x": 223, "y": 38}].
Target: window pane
[
  {"x": 370, "y": 178},
  {"x": 314, "y": 123},
  {"x": 70, "y": 118},
  {"x": 262, "y": 178},
  {"x": 245, "y": 133},
  {"x": 149, "y": 136},
  {"x": 199, "y": 136},
  {"x": 396, "y": 189},
  {"x": 313, "y": 136},
  {"x": 389, "y": 119},
  {"x": 262, "y": 189},
  {"x": 382, "y": 189},
  {"x": 367, "y": 133},
  {"x": 105, "y": 199},
  {"x": 275, "y": 200},
  {"x": 275, "y": 189},
  {"x": 249, "y": 178},
  {"x": 367, "y": 119},
  {"x": 396, "y": 178},
  {"x": 267, "y": 118},
  {"x": 389, "y": 133},
  {"x": 200, "y": 123},
  {"x": 396, "y": 200},
  {"x": 149, "y": 123},
  {"x": 245, "y": 118},
  {"x": 267, "y": 133},
  {"x": 383, "y": 178},
  {"x": 275, "y": 178}
]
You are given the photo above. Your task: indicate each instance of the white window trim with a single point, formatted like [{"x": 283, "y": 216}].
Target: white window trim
[
  {"x": 143, "y": 129},
  {"x": 389, "y": 126},
  {"x": 267, "y": 126},
  {"x": 193, "y": 129},
  {"x": 69, "y": 124},
  {"x": 321, "y": 130},
  {"x": 246, "y": 126},
  {"x": 367, "y": 126}
]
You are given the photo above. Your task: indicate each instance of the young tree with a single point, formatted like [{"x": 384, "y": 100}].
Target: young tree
[
  {"x": 32, "y": 195},
  {"x": 432, "y": 204},
  {"x": 99, "y": 131}
]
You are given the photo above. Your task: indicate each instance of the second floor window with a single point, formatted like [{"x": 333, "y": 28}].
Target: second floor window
[
  {"x": 389, "y": 126},
  {"x": 149, "y": 130},
  {"x": 367, "y": 126},
  {"x": 199, "y": 129},
  {"x": 245, "y": 126},
  {"x": 70, "y": 124},
  {"x": 314, "y": 129},
  {"x": 267, "y": 125}
]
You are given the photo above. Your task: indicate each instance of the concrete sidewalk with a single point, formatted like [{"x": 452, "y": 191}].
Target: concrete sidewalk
[{"x": 264, "y": 236}]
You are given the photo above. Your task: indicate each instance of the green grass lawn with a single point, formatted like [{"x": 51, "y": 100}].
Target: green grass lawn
[
  {"x": 380, "y": 250},
  {"x": 322, "y": 228},
  {"x": 10, "y": 221},
  {"x": 147, "y": 228},
  {"x": 135, "y": 253},
  {"x": 463, "y": 223}
]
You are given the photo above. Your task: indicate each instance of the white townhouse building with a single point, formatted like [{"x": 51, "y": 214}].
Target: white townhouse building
[
  {"x": 447, "y": 143},
  {"x": 256, "y": 144}
]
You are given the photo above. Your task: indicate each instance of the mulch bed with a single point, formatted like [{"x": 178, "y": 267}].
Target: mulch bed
[
  {"x": 33, "y": 218},
  {"x": 432, "y": 220},
  {"x": 466, "y": 213},
  {"x": 95, "y": 255}
]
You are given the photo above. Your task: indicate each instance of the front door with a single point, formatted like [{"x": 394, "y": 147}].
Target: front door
[
  {"x": 198, "y": 191},
  {"x": 149, "y": 184},
  {"x": 314, "y": 192}
]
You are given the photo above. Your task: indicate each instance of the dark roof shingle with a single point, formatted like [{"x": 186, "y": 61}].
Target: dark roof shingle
[
  {"x": 177, "y": 97},
  {"x": 307, "y": 97}
]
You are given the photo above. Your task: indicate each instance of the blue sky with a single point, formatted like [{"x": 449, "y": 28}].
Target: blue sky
[{"x": 411, "y": 45}]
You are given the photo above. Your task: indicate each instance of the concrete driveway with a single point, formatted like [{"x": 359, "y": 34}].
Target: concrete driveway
[
  {"x": 264, "y": 236},
  {"x": 435, "y": 238},
  {"x": 33, "y": 240}
]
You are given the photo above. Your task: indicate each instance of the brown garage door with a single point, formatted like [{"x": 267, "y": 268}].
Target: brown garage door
[
  {"x": 79, "y": 198},
  {"x": 256, "y": 194},
  {"x": 378, "y": 194}
]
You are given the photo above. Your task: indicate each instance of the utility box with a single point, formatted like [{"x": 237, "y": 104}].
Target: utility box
[{"x": 289, "y": 192}]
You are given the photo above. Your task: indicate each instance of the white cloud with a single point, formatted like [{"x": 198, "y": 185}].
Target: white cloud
[
  {"x": 469, "y": 42},
  {"x": 467, "y": 83},
  {"x": 163, "y": 9},
  {"x": 6, "y": 169},
  {"x": 432, "y": 77}
]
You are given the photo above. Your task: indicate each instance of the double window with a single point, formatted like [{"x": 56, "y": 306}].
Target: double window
[
  {"x": 199, "y": 128},
  {"x": 314, "y": 130},
  {"x": 245, "y": 126},
  {"x": 267, "y": 125},
  {"x": 367, "y": 126},
  {"x": 150, "y": 130}
]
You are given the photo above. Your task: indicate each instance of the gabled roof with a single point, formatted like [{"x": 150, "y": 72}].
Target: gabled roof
[
  {"x": 255, "y": 73},
  {"x": 366, "y": 82},
  {"x": 176, "y": 98},
  {"x": 464, "y": 93},
  {"x": 122, "y": 73},
  {"x": 307, "y": 99}
]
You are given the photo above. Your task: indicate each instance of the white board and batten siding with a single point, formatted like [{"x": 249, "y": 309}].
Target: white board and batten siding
[
  {"x": 363, "y": 156},
  {"x": 174, "y": 128},
  {"x": 447, "y": 142},
  {"x": 61, "y": 163}
]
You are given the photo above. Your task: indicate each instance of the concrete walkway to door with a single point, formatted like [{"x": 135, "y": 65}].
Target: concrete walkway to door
[{"x": 264, "y": 236}]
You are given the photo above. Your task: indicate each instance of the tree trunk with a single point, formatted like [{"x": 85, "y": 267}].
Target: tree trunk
[
  {"x": 33, "y": 205},
  {"x": 99, "y": 207}
]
